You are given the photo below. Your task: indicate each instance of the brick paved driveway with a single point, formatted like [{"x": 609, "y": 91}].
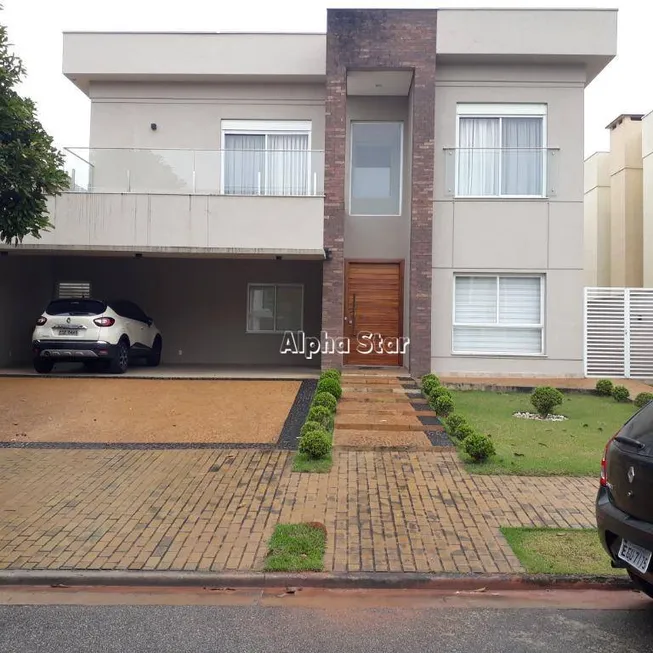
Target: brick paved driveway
[{"x": 215, "y": 509}]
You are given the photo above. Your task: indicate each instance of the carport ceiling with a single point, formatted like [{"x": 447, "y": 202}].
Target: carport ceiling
[{"x": 379, "y": 82}]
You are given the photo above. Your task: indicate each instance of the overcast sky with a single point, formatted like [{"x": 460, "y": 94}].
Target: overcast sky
[{"x": 35, "y": 28}]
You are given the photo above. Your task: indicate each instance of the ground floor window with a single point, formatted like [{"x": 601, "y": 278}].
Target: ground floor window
[
  {"x": 498, "y": 315},
  {"x": 73, "y": 290},
  {"x": 275, "y": 308}
]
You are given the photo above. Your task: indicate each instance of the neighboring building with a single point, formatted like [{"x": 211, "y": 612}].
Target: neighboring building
[
  {"x": 619, "y": 207},
  {"x": 415, "y": 173}
]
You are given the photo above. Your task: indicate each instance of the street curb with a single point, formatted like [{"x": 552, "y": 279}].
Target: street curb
[{"x": 370, "y": 580}]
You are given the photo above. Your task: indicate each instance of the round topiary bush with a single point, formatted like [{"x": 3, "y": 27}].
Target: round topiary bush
[
  {"x": 604, "y": 387},
  {"x": 439, "y": 391},
  {"x": 327, "y": 400},
  {"x": 545, "y": 399},
  {"x": 321, "y": 415},
  {"x": 332, "y": 372},
  {"x": 331, "y": 385},
  {"x": 478, "y": 447},
  {"x": 464, "y": 431},
  {"x": 643, "y": 398},
  {"x": 429, "y": 382},
  {"x": 453, "y": 424},
  {"x": 443, "y": 405},
  {"x": 310, "y": 426},
  {"x": 620, "y": 393},
  {"x": 315, "y": 444}
]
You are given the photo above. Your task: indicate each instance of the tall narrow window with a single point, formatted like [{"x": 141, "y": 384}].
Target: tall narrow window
[
  {"x": 501, "y": 150},
  {"x": 498, "y": 315},
  {"x": 266, "y": 158},
  {"x": 376, "y": 150}
]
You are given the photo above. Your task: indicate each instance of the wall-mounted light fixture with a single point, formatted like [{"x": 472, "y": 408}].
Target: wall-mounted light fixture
[
  {"x": 327, "y": 253},
  {"x": 154, "y": 126},
  {"x": 138, "y": 255}
]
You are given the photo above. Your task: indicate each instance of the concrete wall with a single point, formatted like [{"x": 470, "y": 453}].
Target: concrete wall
[
  {"x": 626, "y": 227},
  {"x": 647, "y": 200},
  {"x": 597, "y": 220},
  {"x": 200, "y": 305},
  {"x": 141, "y": 222},
  {"x": 539, "y": 236}
]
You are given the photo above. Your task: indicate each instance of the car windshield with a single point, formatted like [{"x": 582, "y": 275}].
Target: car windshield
[
  {"x": 640, "y": 427},
  {"x": 76, "y": 307}
]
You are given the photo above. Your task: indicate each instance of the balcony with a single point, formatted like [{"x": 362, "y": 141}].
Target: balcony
[
  {"x": 223, "y": 203},
  {"x": 501, "y": 173}
]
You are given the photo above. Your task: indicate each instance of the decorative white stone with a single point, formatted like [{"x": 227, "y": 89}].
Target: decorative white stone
[{"x": 548, "y": 418}]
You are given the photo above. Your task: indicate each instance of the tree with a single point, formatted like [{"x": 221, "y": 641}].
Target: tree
[{"x": 31, "y": 168}]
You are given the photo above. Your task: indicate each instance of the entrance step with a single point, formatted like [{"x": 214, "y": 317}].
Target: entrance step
[{"x": 364, "y": 440}]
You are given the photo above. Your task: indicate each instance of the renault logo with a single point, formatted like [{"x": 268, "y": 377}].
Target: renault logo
[
  {"x": 631, "y": 474},
  {"x": 67, "y": 320}
]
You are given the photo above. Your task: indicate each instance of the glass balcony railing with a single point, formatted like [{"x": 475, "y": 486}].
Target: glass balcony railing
[
  {"x": 501, "y": 172},
  {"x": 289, "y": 173}
]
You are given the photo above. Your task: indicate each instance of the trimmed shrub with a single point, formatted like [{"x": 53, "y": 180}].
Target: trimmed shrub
[
  {"x": 643, "y": 398},
  {"x": 429, "y": 382},
  {"x": 327, "y": 400},
  {"x": 442, "y": 405},
  {"x": 321, "y": 415},
  {"x": 440, "y": 391},
  {"x": 545, "y": 399},
  {"x": 464, "y": 431},
  {"x": 332, "y": 373},
  {"x": 604, "y": 387},
  {"x": 331, "y": 385},
  {"x": 310, "y": 426},
  {"x": 620, "y": 393},
  {"x": 453, "y": 424},
  {"x": 478, "y": 447},
  {"x": 315, "y": 444}
]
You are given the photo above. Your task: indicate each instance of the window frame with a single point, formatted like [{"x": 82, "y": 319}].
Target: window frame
[
  {"x": 351, "y": 166},
  {"x": 275, "y": 286},
  {"x": 497, "y": 277},
  {"x": 59, "y": 284},
  {"x": 266, "y": 128},
  {"x": 502, "y": 111}
]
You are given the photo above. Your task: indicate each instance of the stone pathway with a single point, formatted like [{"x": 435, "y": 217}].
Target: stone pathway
[{"x": 215, "y": 509}]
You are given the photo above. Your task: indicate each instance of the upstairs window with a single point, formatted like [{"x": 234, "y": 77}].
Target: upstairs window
[
  {"x": 266, "y": 157},
  {"x": 376, "y": 151},
  {"x": 501, "y": 150}
]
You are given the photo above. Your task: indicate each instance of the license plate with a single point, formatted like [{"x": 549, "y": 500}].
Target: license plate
[
  {"x": 635, "y": 555},
  {"x": 68, "y": 332}
]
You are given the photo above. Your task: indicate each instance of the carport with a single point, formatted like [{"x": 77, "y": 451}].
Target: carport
[{"x": 205, "y": 307}]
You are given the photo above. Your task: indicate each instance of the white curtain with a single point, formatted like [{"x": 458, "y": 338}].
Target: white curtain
[
  {"x": 288, "y": 169},
  {"x": 244, "y": 164},
  {"x": 479, "y": 156},
  {"x": 522, "y": 156},
  {"x": 498, "y": 315}
]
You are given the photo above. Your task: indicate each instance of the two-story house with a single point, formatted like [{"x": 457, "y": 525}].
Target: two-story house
[{"x": 410, "y": 173}]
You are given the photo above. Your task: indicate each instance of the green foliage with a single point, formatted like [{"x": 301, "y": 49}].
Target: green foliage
[
  {"x": 310, "y": 426},
  {"x": 464, "y": 431},
  {"x": 331, "y": 385},
  {"x": 478, "y": 447},
  {"x": 604, "y": 387},
  {"x": 322, "y": 416},
  {"x": 453, "y": 424},
  {"x": 620, "y": 393},
  {"x": 315, "y": 444},
  {"x": 327, "y": 400},
  {"x": 332, "y": 372},
  {"x": 429, "y": 383},
  {"x": 545, "y": 399},
  {"x": 31, "y": 168},
  {"x": 643, "y": 398},
  {"x": 443, "y": 405},
  {"x": 438, "y": 393}
]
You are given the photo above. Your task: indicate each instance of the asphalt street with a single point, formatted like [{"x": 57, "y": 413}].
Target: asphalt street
[{"x": 322, "y": 622}]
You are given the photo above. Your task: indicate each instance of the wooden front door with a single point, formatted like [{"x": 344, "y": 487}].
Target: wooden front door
[{"x": 373, "y": 313}]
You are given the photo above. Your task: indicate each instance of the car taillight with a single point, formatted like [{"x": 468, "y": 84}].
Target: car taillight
[
  {"x": 104, "y": 321},
  {"x": 604, "y": 464},
  {"x": 41, "y": 321}
]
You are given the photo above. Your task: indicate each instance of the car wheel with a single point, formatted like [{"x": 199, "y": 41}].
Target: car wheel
[
  {"x": 154, "y": 357},
  {"x": 43, "y": 365},
  {"x": 120, "y": 362},
  {"x": 641, "y": 584}
]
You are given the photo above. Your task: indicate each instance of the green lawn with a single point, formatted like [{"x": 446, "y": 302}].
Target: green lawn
[
  {"x": 296, "y": 547},
  {"x": 573, "y": 447},
  {"x": 560, "y": 551}
]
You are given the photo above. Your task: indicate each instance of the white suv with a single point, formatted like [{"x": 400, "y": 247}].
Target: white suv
[{"x": 100, "y": 334}]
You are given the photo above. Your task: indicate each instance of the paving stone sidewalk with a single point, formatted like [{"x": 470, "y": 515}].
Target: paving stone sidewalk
[{"x": 214, "y": 510}]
